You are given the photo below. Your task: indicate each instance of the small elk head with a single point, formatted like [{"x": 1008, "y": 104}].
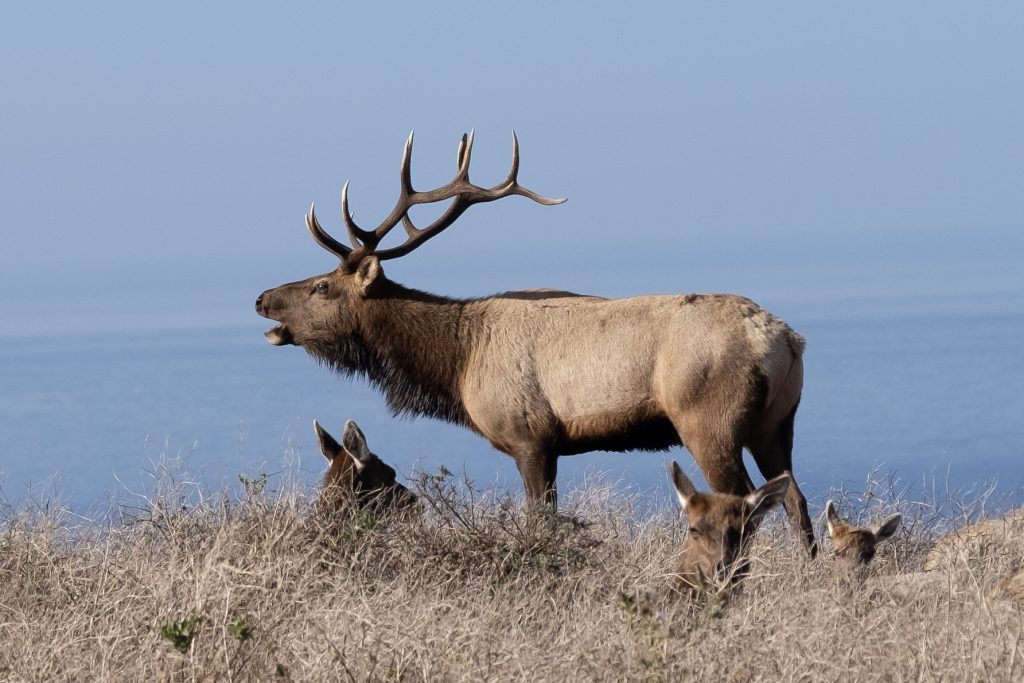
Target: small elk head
[
  {"x": 721, "y": 526},
  {"x": 855, "y": 546},
  {"x": 356, "y": 474},
  {"x": 322, "y": 313}
]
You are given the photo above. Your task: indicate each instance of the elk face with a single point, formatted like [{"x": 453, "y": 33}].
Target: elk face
[
  {"x": 320, "y": 309},
  {"x": 356, "y": 473},
  {"x": 855, "y": 546},
  {"x": 721, "y": 526}
]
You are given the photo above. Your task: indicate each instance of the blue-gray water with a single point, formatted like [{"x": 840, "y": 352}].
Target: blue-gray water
[{"x": 925, "y": 393}]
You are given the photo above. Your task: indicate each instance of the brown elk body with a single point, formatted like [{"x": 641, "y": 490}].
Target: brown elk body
[
  {"x": 1001, "y": 537},
  {"x": 991, "y": 547},
  {"x": 545, "y": 373},
  {"x": 720, "y": 529},
  {"x": 356, "y": 475},
  {"x": 855, "y": 546}
]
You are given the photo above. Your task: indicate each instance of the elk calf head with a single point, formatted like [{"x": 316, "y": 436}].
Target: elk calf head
[
  {"x": 855, "y": 546},
  {"x": 355, "y": 474},
  {"x": 721, "y": 526}
]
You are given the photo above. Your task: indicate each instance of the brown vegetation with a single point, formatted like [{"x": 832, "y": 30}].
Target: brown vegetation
[{"x": 262, "y": 589}]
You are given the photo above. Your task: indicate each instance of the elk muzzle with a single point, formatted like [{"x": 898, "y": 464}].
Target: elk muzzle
[{"x": 280, "y": 334}]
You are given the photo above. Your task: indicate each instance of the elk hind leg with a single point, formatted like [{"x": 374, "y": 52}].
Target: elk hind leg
[{"x": 772, "y": 449}]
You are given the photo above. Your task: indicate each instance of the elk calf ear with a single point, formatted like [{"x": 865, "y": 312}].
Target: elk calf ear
[
  {"x": 888, "y": 527},
  {"x": 685, "y": 489},
  {"x": 328, "y": 446},
  {"x": 832, "y": 519},
  {"x": 768, "y": 496},
  {"x": 355, "y": 444},
  {"x": 367, "y": 272}
]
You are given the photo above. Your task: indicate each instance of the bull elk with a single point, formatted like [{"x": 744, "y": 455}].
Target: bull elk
[{"x": 544, "y": 373}]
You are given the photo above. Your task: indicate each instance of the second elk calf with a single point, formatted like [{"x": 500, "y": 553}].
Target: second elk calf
[
  {"x": 355, "y": 475},
  {"x": 855, "y": 546},
  {"x": 721, "y": 526}
]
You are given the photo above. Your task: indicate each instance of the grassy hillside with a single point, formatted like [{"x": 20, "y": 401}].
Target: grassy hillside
[{"x": 262, "y": 588}]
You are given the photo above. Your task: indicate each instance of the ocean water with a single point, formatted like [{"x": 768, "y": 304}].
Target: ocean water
[{"x": 930, "y": 397}]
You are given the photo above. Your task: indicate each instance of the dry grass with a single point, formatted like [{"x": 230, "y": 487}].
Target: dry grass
[{"x": 260, "y": 588}]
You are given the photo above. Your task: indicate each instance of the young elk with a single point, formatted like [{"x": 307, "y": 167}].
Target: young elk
[
  {"x": 355, "y": 474},
  {"x": 855, "y": 545},
  {"x": 721, "y": 526}
]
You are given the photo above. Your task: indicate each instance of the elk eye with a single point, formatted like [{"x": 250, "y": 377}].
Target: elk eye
[
  {"x": 321, "y": 287},
  {"x": 694, "y": 531}
]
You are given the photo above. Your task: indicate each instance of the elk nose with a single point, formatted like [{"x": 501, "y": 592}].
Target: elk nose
[{"x": 259, "y": 303}]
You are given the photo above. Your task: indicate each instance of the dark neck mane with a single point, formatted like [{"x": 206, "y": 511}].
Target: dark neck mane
[{"x": 410, "y": 345}]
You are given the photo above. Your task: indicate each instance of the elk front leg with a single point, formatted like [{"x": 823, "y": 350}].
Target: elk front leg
[{"x": 539, "y": 470}]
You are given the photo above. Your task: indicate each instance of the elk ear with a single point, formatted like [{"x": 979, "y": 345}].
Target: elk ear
[
  {"x": 685, "y": 489},
  {"x": 888, "y": 527},
  {"x": 328, "y": 446},
  {"x": 355, "y": 444},
  {"x": 367, "y": 272},
  {"x": 832, "y": 519},
  {"x": 768, "y": 496}
]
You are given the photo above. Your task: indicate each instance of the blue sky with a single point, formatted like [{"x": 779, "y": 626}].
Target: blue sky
[{"x": 156, "y": 160}]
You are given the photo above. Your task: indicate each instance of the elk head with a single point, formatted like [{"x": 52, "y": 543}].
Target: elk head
[
  {"x": 319, "y": 313},
  {"x": 356, "y": 474},
  {"x": 855, "y": 546},
  {"x": 721, "y": 526}
]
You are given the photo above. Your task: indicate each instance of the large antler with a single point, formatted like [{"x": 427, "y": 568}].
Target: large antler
[{"x": 464, "y": 193}]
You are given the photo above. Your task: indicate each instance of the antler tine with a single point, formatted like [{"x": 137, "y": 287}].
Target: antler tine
[
  {"x": 356, "y": 235},
  {"x": 530, "y": 194},
  {"x": 322, "y": 238},
  {"x": 513, "y": 173},
  {"x": 406, "y": 172},
  {"x": 513, "y": 180},
  {"x": 465, "y": 155},
  {"x": 411, "y": 230},
  {"x": 462, "y": 153}
]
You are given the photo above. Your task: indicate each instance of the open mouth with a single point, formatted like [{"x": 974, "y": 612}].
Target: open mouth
[{"x": 279, "y": 336}]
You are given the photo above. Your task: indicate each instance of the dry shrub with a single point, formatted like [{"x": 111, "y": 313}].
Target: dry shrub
[{"x": 263, "y": 587}]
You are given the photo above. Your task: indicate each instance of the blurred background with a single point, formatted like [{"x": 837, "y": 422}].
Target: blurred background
[{"x": 855, "y": 169}]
